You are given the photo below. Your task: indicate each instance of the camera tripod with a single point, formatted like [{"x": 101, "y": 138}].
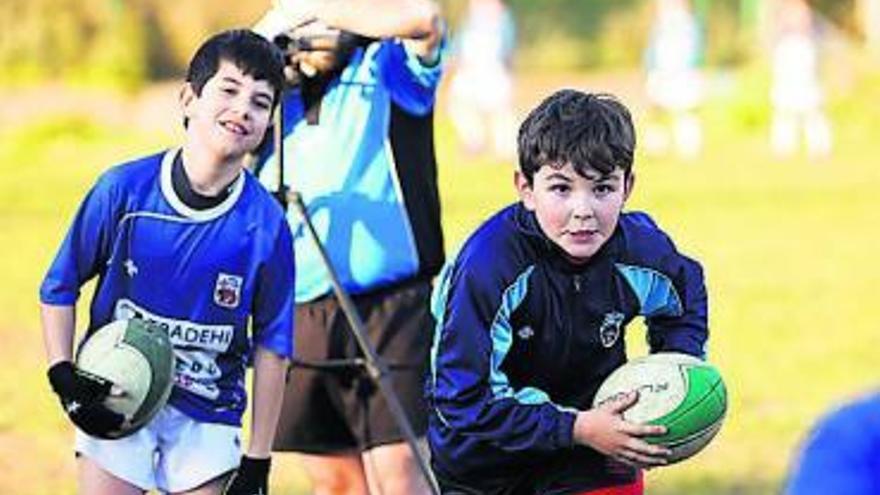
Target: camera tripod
[{"x": 371, "y": 363}]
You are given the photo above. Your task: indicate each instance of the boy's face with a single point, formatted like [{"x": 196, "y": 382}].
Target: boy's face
[
  {"x": 577, "y": 213},
  {"x": 231, "y": 115}
]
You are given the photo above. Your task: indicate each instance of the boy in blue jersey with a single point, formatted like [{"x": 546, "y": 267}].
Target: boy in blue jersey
[
  {"x": 190, "y": 241},
  {"x": 358, "y": 142},
  {"x": 531, "y": 317}
]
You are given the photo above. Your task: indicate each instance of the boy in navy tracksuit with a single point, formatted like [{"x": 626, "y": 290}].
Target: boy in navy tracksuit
[{"x": 531, "y": 315}]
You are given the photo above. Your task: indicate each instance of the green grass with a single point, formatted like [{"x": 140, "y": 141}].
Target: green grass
[{"x": 789, "y": 249}]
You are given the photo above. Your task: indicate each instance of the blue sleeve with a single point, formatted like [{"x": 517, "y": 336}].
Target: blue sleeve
[
  {"x": 273, "y": 302},
  {"x": 469, "y": 392},
  {"x": 685, "y": 330},
  {"x": 86, "y": 248},
  {"x": 842, "y": 455},
  {"x": 669, "y": 286},
  {"x": 413, "y": 85}
]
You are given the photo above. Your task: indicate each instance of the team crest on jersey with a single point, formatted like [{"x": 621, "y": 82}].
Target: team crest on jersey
[
  {"x": 227, "y": 292},
  {"x": 609, "y": 331},
  {"x": 525, "y": 333}
]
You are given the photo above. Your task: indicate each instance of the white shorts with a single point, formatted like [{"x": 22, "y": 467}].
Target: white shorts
[{"x": 172, "y": 453}]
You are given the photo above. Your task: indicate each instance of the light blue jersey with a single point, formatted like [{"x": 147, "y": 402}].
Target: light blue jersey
[
  {"x": 365, "y": 168},
  {"x": 200, "y": 274}
]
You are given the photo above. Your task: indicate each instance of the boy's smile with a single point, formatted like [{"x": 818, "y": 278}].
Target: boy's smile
[{"x": 576, "y": 213}]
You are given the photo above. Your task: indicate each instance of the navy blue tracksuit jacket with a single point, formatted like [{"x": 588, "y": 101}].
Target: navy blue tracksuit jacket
[{"x": 524, "y": 338}]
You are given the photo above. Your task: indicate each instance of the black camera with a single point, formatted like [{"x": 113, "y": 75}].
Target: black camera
[{"x": 341, "y": 43}]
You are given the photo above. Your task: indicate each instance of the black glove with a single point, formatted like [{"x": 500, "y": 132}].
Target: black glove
[
  {"x": 251, "y": 477},
  {"x": 82, "y": 397}
]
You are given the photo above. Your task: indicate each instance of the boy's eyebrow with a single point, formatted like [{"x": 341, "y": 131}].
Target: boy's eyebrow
[
  {"x": 599, "y": 177},
  {"x": 231, "y": 79},
  {"x": 559, "y": 176},
  {"x": 259, "y": 94},
  {"x": 265, "y": 95}
]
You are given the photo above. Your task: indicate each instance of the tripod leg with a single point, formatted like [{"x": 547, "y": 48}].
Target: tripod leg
[{"x": 375, "y": 368}]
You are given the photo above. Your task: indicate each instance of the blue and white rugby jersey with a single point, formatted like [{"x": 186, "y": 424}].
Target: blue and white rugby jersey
[
  {"x": 366, "y": 170},
  {"x": 200, "y": 274}
]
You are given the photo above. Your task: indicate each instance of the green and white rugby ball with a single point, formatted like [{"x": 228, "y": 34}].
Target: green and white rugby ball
[
  {"x": 139, "y": 359},
  {"x": 676, "y": 390}
]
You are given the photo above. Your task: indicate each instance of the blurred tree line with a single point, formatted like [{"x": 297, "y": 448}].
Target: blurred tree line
[
  {"x": 122, "y": 42},
  {"x": 127, "y": 42}
]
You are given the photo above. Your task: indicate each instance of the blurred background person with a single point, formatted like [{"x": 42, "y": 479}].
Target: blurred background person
[
  {"x": 842, "y": 453},
  {"x": 796, "y": 93},
  {"x": 481, "y": 94},
  {"x": 674, "y": 83}
]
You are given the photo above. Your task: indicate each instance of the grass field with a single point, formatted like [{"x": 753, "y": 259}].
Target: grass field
[{"x": 789, "y": 249}]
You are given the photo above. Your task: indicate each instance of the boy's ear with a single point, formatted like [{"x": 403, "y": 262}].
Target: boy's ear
[
  {"x": 628, "y": 185},
  {"x": 524, "y": 189},
  {"x": 185, "y": 99}
]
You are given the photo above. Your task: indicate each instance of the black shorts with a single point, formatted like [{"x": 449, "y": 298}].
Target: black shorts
[{"x": 334, "y": 409}]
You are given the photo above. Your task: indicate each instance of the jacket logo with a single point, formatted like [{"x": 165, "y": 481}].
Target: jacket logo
[
  {"x": 227, "y": 291},
  {"x": 609, "y": 331},
  {"x": 525, "y": 333}
]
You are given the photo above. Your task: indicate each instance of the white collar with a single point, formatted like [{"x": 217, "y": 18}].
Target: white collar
[{"x": 199, "y": 215}]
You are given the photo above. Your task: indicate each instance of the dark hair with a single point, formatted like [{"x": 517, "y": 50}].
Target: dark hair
[
  {"x": 250, "y": 52},
  {"x": 589, "y": 131}
]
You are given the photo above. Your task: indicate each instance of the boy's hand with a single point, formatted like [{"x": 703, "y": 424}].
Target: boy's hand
[
  {"x": 605, "y": 430},
  {"x": 82, "y": 397},
  {"x": 251, "y": 477}
]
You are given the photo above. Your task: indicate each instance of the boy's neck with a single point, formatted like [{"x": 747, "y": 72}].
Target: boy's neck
[{"x": 208, "y": 174}]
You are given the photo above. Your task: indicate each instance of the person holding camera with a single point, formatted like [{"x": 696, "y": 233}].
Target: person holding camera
[{"x": 358, "y": 147}]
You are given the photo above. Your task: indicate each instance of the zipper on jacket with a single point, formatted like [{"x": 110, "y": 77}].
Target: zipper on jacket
[{"x": 573, "y": 316}]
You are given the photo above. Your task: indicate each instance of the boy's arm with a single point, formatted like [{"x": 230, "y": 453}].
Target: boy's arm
[
  {"x": 268, "y": 390},
  {"x": 58, "y": 324},
  {"x": 685, "y": 330},
  {"x": 272, "y": 339},
  {"x": 81, "y": 395},
  {"x": 252, "y": 475},
  {"x": 82, "y": 255},
  {"x": 669, "y": 287},
  {"x": 84, "y": 252},
  {"x": 469, "y": 391}
]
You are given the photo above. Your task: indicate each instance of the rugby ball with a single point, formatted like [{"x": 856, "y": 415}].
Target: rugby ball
[
  {"x": 138, "y": 358},
  {"x": 682, "y": 393}
]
